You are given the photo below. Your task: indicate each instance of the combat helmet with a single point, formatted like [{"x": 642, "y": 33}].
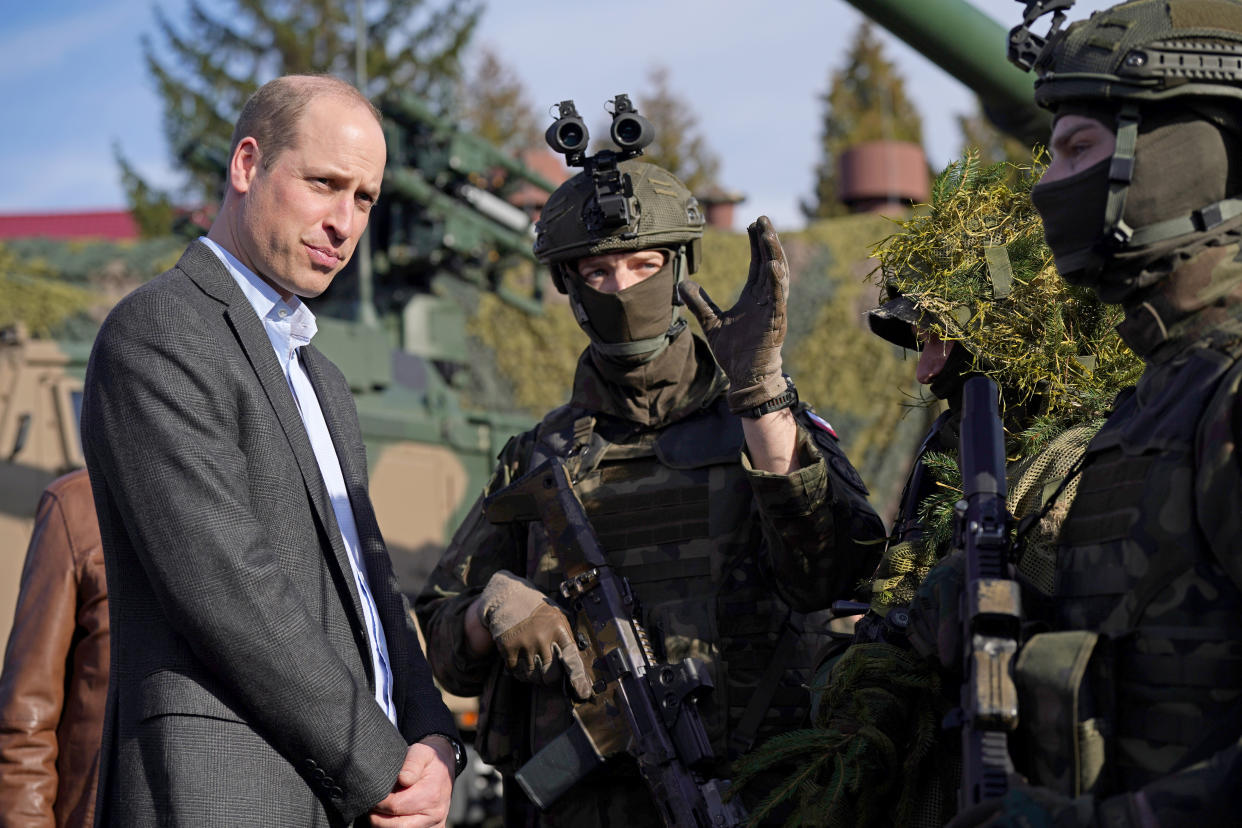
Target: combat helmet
[
  {"x": 1135, "y": 62},
  {"x": 974, "y": 268},
  {"x": 663, "y": 213},
  {"x": 616, "y": 204}
]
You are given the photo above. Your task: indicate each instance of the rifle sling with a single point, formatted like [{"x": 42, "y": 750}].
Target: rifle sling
[{"x": 742, "y": 737}]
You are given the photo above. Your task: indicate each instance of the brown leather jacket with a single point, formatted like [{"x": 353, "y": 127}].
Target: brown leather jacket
[{"x": 55, "y": 679}]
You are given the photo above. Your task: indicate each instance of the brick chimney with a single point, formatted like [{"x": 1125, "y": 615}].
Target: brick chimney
[
  {"x": 883, "y": 176},
  {"x": 718, "y": 206}
]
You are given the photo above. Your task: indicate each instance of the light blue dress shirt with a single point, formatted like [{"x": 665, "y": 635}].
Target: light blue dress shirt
[{"x": 289, "y": 326}]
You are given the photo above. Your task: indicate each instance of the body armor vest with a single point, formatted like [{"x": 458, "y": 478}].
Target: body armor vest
[
  {"x": 1146, "y": 663},
  {"x": 674, "y": 511}
]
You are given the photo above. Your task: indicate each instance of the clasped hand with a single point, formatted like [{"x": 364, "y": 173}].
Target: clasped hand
[{"x": 420, "y": 798}]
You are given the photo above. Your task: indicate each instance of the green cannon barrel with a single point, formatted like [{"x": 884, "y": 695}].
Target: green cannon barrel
[{"x": 971, "y": 47}]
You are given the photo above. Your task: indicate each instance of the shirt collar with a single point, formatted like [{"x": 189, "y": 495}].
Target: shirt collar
[{"x": 265, "y": 300}]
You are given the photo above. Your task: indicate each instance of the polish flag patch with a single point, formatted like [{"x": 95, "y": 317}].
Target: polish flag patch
[{"x": 822, "y": 424}]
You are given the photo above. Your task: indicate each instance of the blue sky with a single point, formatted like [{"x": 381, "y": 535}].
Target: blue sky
[{"x": 73, "y": 81}]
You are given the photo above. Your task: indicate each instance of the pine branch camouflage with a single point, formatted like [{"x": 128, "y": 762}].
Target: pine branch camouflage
[
  {"x": 976, "y": 265},
  {"x": 877, "y": 755}
]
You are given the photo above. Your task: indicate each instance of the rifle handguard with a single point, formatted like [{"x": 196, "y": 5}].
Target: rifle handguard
[{"x": 991, "y": 603}]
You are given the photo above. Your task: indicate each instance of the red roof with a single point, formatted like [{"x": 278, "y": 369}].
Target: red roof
[{"x": 115, "y": 225}]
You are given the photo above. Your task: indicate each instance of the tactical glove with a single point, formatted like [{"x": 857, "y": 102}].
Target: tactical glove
[
  {"x": 746, "y": 340},
  {"x": 531, "y": 633},
  {"x": 935, "y": 629}
]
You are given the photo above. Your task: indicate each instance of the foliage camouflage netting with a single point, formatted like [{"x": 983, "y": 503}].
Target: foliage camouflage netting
[
  {"x": 975, "y": 262},
  {"x": 1052, "y": 347}
]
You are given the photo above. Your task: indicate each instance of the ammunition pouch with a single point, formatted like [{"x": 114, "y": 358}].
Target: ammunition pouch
[{"x": 1065, "y": 693}]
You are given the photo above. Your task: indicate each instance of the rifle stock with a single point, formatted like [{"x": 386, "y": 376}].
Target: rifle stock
[
  {"x": 991, "y": 604},
  {"x": 640, "y": 705}
]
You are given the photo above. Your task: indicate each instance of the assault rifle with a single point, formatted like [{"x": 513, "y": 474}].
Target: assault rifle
[
  {"x": 991, "y": 604},
  {"x": 641, "y": 706}
]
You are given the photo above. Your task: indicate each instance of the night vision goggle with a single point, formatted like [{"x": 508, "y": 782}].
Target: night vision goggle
[{"x": 630, "y": 132}]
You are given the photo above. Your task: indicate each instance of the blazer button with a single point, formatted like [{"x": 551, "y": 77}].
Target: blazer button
[
  {"x": 309, "y": 764},
  {"x": 318, "y": 774},
  {"x": 337, "y": 792}
]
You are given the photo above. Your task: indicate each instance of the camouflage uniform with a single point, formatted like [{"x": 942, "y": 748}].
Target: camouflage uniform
[
  {"x": 1130, "y": 690},
  {"x": 879, "y": 755},
  {"x": 725, "y": 560},
  {"x": 1130, "y": 677},
  {"x": 1150, "y": 563},
  {"x": 730, "y": 564}
]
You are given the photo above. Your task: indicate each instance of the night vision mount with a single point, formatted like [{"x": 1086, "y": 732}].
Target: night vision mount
[
  {"x": 630, "y": 132},
  {"x": 1026, "y": 47}
]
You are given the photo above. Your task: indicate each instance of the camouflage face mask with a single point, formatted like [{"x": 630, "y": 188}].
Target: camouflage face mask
[
  {"x": 1183, "y": 163},
  {"x": 641, "y": 311}
]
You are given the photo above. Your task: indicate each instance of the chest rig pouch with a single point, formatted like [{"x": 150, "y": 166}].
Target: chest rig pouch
[
  {"x": 1113, "y": 676},
  {"x": 674, "y": 512}
]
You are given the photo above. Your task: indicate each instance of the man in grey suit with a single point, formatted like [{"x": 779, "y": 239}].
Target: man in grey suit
[{"x": 265, "y": 670}]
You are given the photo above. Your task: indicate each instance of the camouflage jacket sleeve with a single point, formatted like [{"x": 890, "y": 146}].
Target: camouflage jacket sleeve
[
  {"x": 478, "y": 550},
  {"x": 821, "y": 535}
]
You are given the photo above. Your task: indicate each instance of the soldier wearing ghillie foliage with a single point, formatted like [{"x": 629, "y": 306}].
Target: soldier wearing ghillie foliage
[
  {"x": 725, "y": 501},
  {"x": 969, "y": 284},
  {"x": 1130, "y": 677}
]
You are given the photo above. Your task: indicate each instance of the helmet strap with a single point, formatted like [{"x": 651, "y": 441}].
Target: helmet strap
[
  {"x": 1117, "y": 235},
  {"x": 681, "y": 267}
]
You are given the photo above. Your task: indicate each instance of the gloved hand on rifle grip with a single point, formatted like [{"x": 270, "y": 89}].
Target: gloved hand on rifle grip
[
  {"x": 531, "y": 633},
  {"x": 746, "y": 339},
  {"x": 935, "y": 628}
]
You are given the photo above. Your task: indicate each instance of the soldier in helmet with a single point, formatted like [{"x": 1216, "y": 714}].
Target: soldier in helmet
[
  {"x": 1131, "y": 692},
  {"x": 726, "y": 503}
]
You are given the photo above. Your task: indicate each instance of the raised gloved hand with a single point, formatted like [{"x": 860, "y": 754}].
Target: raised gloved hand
[
  {"x": 747, "y": 338},
  {"x": 1025, "y": 806},
  {"x": 531, "y": 633}
]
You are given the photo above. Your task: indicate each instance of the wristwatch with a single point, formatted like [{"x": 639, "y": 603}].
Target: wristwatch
[
  {"x": 786, "y": 399},
  {"x": 459, "y": 753}
]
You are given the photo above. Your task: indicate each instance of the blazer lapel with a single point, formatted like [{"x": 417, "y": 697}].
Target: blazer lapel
[
  {"x": 340, "y": 414},
  {"x": 211, "y": 275},
  {"x": 350, "y": 451}
]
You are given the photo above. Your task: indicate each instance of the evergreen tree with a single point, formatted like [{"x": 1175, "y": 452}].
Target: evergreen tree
[
  {"x": 153, "y": 210},
  {"x": 207, "y": 68},
  {"x": 495, "y": 106},
  {"x": 991, "y": 145},
  {"x": 866, "y": 101},
  {"x": 679, "y": 147}
]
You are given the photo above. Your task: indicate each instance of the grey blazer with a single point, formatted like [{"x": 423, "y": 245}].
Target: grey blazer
[{"x": 241, "y": 690}]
